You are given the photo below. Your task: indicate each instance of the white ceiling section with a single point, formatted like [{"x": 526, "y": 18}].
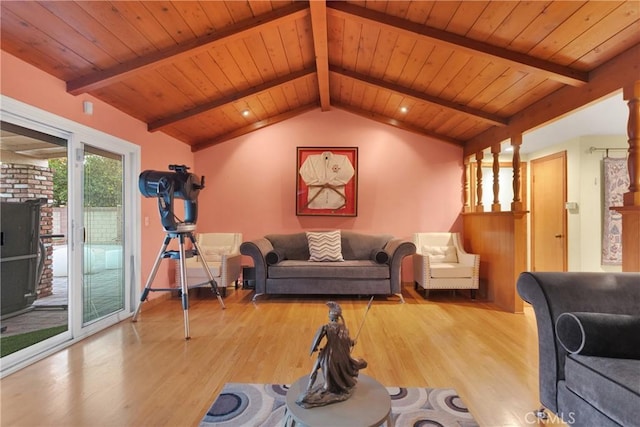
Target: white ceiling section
[{"x": 606, "y": 117}]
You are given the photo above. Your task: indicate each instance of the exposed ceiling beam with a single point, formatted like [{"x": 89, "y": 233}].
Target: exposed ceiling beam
[
  {"x": 380, "y": 118},
  {"x": 421, "y": 97},
  {"x": 319, "y": 27},
  {"x": 183, "y": 115},
  {"x": 518, "y": 60},
  {"x": 241, "y": 29},
  {"x": 613, "y": 75},
  {"x": 253, "y": 127}
]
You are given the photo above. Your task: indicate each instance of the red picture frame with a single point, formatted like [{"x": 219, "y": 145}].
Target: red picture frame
[{"x": 327, "y": 181}]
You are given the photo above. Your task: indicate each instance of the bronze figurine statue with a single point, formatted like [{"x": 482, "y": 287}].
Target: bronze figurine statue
[{"x": 339, "y": 369}]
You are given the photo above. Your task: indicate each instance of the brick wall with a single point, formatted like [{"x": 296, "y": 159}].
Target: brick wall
[
  {"x": 19, "y": 183},
  {"x": 22, "y": 182},
  {"x": 104, "y": 225}
]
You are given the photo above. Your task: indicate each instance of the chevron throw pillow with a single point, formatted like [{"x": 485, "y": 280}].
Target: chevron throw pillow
[{"x": 325, "y": 246}]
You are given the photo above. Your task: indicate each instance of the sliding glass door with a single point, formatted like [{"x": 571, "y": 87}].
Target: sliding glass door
[
  {"x": 33, "y": 238},
  {"x": 103, "y": 287},
  {"x": 73, "y": 242}
]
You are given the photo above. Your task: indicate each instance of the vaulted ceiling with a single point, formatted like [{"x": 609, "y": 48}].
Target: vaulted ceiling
[{"x": 471, "y": 73}]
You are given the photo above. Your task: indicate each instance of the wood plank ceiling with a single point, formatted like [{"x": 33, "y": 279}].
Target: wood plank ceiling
[{"x": 468, "y": 72}]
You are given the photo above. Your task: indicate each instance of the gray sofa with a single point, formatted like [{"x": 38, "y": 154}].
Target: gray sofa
[
  {"x": 589, "y": 345},
  {"x": 371, "y": 265}
]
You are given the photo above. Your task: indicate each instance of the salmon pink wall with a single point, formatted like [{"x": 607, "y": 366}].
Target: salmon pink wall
[
  {"x": 27, "y": 84},
  {"x": 406, "y": 182}
]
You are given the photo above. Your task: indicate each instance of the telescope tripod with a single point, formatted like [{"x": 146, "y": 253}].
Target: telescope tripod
[{"x": 180, "y": 254}]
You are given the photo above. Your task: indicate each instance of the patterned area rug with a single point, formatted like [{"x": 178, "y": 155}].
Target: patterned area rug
[{"x": 264, "y": 405}]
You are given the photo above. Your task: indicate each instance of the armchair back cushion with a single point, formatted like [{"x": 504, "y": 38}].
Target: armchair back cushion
[
  {"x": 441, "y": 253},
  {"x": 434, "y": 244},
  {"x": 217, "y": 244}
]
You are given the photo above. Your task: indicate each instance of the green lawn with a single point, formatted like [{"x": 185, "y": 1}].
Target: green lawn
[{"x": 14, "y": 343}]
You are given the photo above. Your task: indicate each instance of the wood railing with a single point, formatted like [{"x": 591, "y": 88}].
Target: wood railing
[
  {"x": 500, "y": 237},
  {"x": 630, "y": 209}
]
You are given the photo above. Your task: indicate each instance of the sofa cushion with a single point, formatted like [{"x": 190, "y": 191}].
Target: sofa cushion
[
  {"x": 359, "y": 246},
  {"x": 451, "y": 270},
  {"x": 610, "y": 385},
  {"x": 600, "y": 334},
  {"x": 366, "y": 269},
  {"x": 441, "y": 253},
  {"x": 324, "y": 246},
  {"x": 295, "y": 246},
  {"x": 354, "y": 245}
]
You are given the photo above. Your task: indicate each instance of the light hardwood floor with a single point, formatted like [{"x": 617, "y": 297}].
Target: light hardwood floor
[{"x": 145, "y": 373}]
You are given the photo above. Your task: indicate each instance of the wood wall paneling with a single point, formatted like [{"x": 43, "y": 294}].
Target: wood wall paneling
[
  {"x": 501, "y": 240},
  {"x": 630, "y": 237}
]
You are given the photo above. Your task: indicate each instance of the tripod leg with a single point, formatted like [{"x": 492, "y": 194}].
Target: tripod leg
[
  {"x": 214, "y": 286},
  {"x": 152, "y": 276},
  {"x": 185, "y": 289}
]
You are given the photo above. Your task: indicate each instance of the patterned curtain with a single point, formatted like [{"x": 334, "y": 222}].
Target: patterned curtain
[{"x": 616, "y": 183}]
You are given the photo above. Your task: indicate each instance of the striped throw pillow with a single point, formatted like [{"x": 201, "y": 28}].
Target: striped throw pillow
[{"x": 325, "y": 246}]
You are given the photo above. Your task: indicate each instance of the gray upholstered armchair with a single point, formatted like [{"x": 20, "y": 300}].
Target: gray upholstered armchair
[{"x": 589, "y": 345}]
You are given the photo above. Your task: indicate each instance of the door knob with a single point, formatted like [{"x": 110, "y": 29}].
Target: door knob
[{"x": 557, "y": 236}]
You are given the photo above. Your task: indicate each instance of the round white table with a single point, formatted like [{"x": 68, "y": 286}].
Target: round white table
[{"x": 370, "y": 405}]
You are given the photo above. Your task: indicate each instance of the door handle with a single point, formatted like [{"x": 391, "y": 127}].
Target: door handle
[{"x": 557, "y": 236}]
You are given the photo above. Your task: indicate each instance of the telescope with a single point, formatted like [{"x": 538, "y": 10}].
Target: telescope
[{"x": 168, "y": 185}]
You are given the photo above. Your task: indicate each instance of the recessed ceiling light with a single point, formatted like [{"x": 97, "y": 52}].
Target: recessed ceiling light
[
  {"x": 403, "y": 109},
  {"x": 245, "y": 113}
]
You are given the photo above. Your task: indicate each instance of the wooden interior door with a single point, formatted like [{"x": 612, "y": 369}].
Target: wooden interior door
[{"x": 548, "y": 213}]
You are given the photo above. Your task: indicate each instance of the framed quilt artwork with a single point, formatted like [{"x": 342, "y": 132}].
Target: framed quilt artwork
[
  {"x": 616, "y": 183},
  {"x": 327, "y": 181}
]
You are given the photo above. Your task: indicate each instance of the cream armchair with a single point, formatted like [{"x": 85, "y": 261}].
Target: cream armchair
[
  {"x": 221, "y": 252},
  {"x": 441, "y": 262}
]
